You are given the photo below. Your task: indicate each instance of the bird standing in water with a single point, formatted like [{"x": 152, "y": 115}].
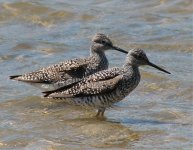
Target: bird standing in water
[
  {"x": 71, "y": 71},
  {"x": 102, "y": 89}
]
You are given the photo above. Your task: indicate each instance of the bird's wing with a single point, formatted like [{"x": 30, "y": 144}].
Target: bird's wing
[
  {"x": 100, "y": 87},
  {"x": 103, "y": 75},
  {"x": 98, "y": 76},
  {"x": 63, "y": 71},
  {"x": 71, "y": 64},
  {"x": 88, "y": 87}
]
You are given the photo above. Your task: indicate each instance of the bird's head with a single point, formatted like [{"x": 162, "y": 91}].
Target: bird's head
[
  {"x": 101, "y": 42},
  {"x": 138, "y": 57}
]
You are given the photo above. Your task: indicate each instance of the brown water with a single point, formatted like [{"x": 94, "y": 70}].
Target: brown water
[{"x": 157, "y": 115}]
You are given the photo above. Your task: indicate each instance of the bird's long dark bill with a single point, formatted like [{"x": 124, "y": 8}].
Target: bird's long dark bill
[
  {"x": 119, "y": 49},
  {"x": 155, "y": 66}
]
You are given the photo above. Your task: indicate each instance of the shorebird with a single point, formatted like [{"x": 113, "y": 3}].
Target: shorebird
[
  {"x": 102, "y": 89},
  {"x": 71, "y": 71}
]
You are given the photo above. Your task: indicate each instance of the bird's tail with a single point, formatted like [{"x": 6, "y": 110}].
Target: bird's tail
[
  {"x": 47, "y": 93},
  {"x": 14, "y": 77}
]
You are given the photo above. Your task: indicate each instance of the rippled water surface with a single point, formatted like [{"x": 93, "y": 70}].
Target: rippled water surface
[{"x": 157, "y": 115}]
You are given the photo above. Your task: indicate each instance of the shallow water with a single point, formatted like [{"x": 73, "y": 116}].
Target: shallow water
[{"x": 157, "y": 115}]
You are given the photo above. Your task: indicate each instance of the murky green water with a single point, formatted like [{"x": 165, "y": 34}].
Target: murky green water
[{"x": 157, "y": 115}]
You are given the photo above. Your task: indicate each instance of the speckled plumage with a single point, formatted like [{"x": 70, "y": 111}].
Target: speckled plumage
[
  {"x": 104, "y": 88},
  {"x": 70, "y": 71}
]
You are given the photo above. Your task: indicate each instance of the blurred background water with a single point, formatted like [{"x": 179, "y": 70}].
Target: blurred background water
[{"x": 157, "y": 115}]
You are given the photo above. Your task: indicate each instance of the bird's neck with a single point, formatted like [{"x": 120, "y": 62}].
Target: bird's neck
[
  {"x": 132, "y": 69},
  {"x": 99, "y": 57},
  {"x": 97, "y": 52},
  {"x": 131, "y": 78},
  {"x": 96, "y": 49}
]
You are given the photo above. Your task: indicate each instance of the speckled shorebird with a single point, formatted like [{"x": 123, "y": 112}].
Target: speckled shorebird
[
  {"x": 102, "y": 89},
  {"x": 70, "y": 71}
]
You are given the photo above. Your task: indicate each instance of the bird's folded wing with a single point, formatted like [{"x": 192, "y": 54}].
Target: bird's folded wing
[
  {"x": 89, "y": 88},
  {"x": 74, "y": 68},
  {"x": 104, "y": 75},
  {"x": 72, "y": 64}
]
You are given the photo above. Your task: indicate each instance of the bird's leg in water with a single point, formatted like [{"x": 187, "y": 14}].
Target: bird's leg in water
[{"x": 100, "y": 112}]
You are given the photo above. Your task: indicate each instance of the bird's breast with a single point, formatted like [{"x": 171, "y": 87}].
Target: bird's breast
[{"x": 129, "y": 84}]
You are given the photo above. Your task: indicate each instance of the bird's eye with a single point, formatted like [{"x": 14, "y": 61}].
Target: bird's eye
[
  {"x": 134, "y": 55},
  {"x": 140, "y": 57},
  {"x": 137, "y": 56},
  {"x": 103, "y": 42}
]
